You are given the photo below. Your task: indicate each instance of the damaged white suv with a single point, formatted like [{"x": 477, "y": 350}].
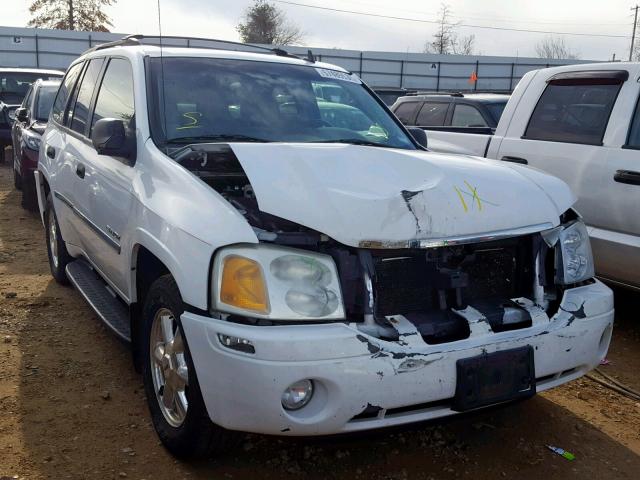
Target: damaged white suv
[{"x": 285, "y": 258}]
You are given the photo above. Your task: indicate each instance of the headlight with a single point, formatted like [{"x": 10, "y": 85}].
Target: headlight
[
  {"x": 267, "y": 281},
  {"x": 575, "y": 254},
  {"x": 32, "y": 142}
]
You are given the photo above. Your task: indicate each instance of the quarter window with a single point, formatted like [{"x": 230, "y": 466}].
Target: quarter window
[
  {"x": 115, "y": 98},
  {"x": 80, "y": 112},
  {"x": 432, "y": 114},
  {"x": 406, "y": 112},
  {"x": 66, "y": 87},
  {"x": 634, "y": 132},
  {"x": 467, "y": 116},
  {"x": 573, "y": 113}
]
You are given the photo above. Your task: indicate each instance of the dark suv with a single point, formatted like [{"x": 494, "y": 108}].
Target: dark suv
[
  {"x": 14, "y": 83},
  {"x": 30, "y": 121},
  {"x": 454, "y": 112}
]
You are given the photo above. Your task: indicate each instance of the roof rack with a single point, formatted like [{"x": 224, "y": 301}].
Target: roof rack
[
  {"x": 136, "y": 40},
  {"x": 443, "y": 94}
]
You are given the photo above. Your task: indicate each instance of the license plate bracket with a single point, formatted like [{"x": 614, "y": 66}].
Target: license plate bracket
[{"x": 493, "y": 378}]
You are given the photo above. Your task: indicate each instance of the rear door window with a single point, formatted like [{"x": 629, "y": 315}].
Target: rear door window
[
  {"x": 80, "y": 112},
  {"x": 573, "y": 113},
  {"x": 467, "y": 116},
  {"x": 406, "y": 112},
  {"x": 57, "y": 112},
  {"x": 432, "y": 114}
]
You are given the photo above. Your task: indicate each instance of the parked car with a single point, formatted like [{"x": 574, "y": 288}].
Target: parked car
[
  {"x": 580, "y": 123},
  {"x": 30, "y": 121},
  {"x": 277, "y": 274},
  {"x": 14, "y": 84},
  {"x": 452, "y": 112}
]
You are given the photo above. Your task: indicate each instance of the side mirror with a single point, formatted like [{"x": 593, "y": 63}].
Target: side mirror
[
  {"x": 109, "y": 137},
  {"x": 22, "y": 114},
  {"x": 419, "y": 135}
]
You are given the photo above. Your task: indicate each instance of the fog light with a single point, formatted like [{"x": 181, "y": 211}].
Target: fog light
[
  {"x": 236, "y": 343},
  {"x": 297, "y": 395}
]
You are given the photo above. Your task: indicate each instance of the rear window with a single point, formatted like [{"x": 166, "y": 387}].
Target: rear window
[
  {"x": 496, "y": 109},
  {"x": 406, "y": 112},
  {"x": 576, "y": 113},
  {"x": 432, "y": 114}
]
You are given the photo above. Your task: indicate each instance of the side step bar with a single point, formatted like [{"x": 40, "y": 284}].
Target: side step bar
[{"x": 106, "y": 304}]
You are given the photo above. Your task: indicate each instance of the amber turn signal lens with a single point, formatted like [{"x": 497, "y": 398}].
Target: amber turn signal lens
[{"x": 243, "y": 284}]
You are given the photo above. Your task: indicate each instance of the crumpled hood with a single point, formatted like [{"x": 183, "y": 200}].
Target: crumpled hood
[{"x": 369, "y": 196}]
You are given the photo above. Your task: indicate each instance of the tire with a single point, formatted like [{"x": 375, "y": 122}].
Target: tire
[
  {"x": 29, "y": 195},
  {"x": 56, "y": 249},
  {"x": 17, "y": 180},
  {"x": 186, "y": 432}
]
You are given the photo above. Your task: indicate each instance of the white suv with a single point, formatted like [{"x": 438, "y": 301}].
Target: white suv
[{"x": 285, "y": 258}]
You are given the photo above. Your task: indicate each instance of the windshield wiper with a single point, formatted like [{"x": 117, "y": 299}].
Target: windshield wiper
[
  {"x": 216, "y": 138},
  {"x": 354, "y": 141}
]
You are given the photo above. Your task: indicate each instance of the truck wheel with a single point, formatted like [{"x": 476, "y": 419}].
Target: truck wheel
[
  {"x": 56, "y": 248},
  {"x": 175, "y": 401},
  {"x": 29, "y": 195}
]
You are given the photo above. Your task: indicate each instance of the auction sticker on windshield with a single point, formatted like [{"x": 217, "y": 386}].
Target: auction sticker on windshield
[{"x": 334, "y": 74}]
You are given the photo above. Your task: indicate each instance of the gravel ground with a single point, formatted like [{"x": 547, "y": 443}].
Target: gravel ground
[{"x": 73, "y": 407}]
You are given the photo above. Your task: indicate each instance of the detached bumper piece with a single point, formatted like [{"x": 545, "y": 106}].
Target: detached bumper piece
[{"x": 493, "y": 378}]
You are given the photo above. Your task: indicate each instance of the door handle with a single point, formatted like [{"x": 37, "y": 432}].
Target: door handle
[
  {"x": 627, "y": 176},
  {"x": 51, "y": 152},
  {"x": 80, "y": 170},
  {"x": 522, "y": 161}
]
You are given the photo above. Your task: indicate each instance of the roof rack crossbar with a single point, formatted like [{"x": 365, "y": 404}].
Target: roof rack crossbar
[{"x": 136, "y": 39}]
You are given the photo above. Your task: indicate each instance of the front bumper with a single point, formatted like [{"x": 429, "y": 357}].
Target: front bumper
[{"x": 408, "y": 380}]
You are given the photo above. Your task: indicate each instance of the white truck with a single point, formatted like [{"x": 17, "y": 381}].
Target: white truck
[
  {"x": 580, "y": 123},
  {"x": 294, "y": 264}
]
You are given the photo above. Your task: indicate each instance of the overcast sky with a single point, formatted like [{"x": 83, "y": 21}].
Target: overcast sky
[{"x": 218, "y": 18}]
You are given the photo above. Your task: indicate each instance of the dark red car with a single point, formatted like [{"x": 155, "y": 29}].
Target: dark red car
[{"x": 30, "y": 121}]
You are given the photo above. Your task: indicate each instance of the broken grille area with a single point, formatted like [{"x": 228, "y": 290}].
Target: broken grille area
[{"x": 427, "y": 285}]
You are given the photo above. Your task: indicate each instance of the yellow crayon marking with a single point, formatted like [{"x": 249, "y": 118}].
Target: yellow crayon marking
[
  {"x": 475, "y": 197},
  {"x": 464, "y": 204},
  {"x": 194, "y": 117}
]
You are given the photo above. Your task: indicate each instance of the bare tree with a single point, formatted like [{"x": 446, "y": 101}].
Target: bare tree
[
  {"x": 445, "y": 40},
  {"x": 85, "y": 15},
  {"x": 555, "y": 48},
  {"x": 266, "y": 23}
]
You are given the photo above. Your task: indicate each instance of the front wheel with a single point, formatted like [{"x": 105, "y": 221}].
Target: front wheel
[{"x": 175, "y": 401}]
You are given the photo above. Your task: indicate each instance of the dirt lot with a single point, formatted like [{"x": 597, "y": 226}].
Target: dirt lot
[{"x": 72, "y": 406}]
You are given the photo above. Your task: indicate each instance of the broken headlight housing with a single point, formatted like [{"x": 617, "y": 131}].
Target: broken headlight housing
[
  {"x": 574, "y": 248},
  {"x": 266, "y": 281}
]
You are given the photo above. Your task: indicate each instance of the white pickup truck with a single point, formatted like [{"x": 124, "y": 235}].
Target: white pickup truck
[{"x": 580, "y": 123}]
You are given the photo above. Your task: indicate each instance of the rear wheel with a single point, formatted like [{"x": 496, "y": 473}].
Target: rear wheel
[
  {"x": 29, "y": 195},
  {"x": 56, "y": 248},
  {"x": 17, "y": 180},
  {"x": 175, "y": 401}
]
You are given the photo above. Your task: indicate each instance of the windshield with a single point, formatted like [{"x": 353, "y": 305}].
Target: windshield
[
  {"x": 46, "y": 95},
  {"x": 14, "y": 85},
  {"x": 239, "y": 100},
  {"x": 496, "y": 109}
]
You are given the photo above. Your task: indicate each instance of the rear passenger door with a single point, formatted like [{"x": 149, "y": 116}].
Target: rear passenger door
[{"x": 78, "y": 153}]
